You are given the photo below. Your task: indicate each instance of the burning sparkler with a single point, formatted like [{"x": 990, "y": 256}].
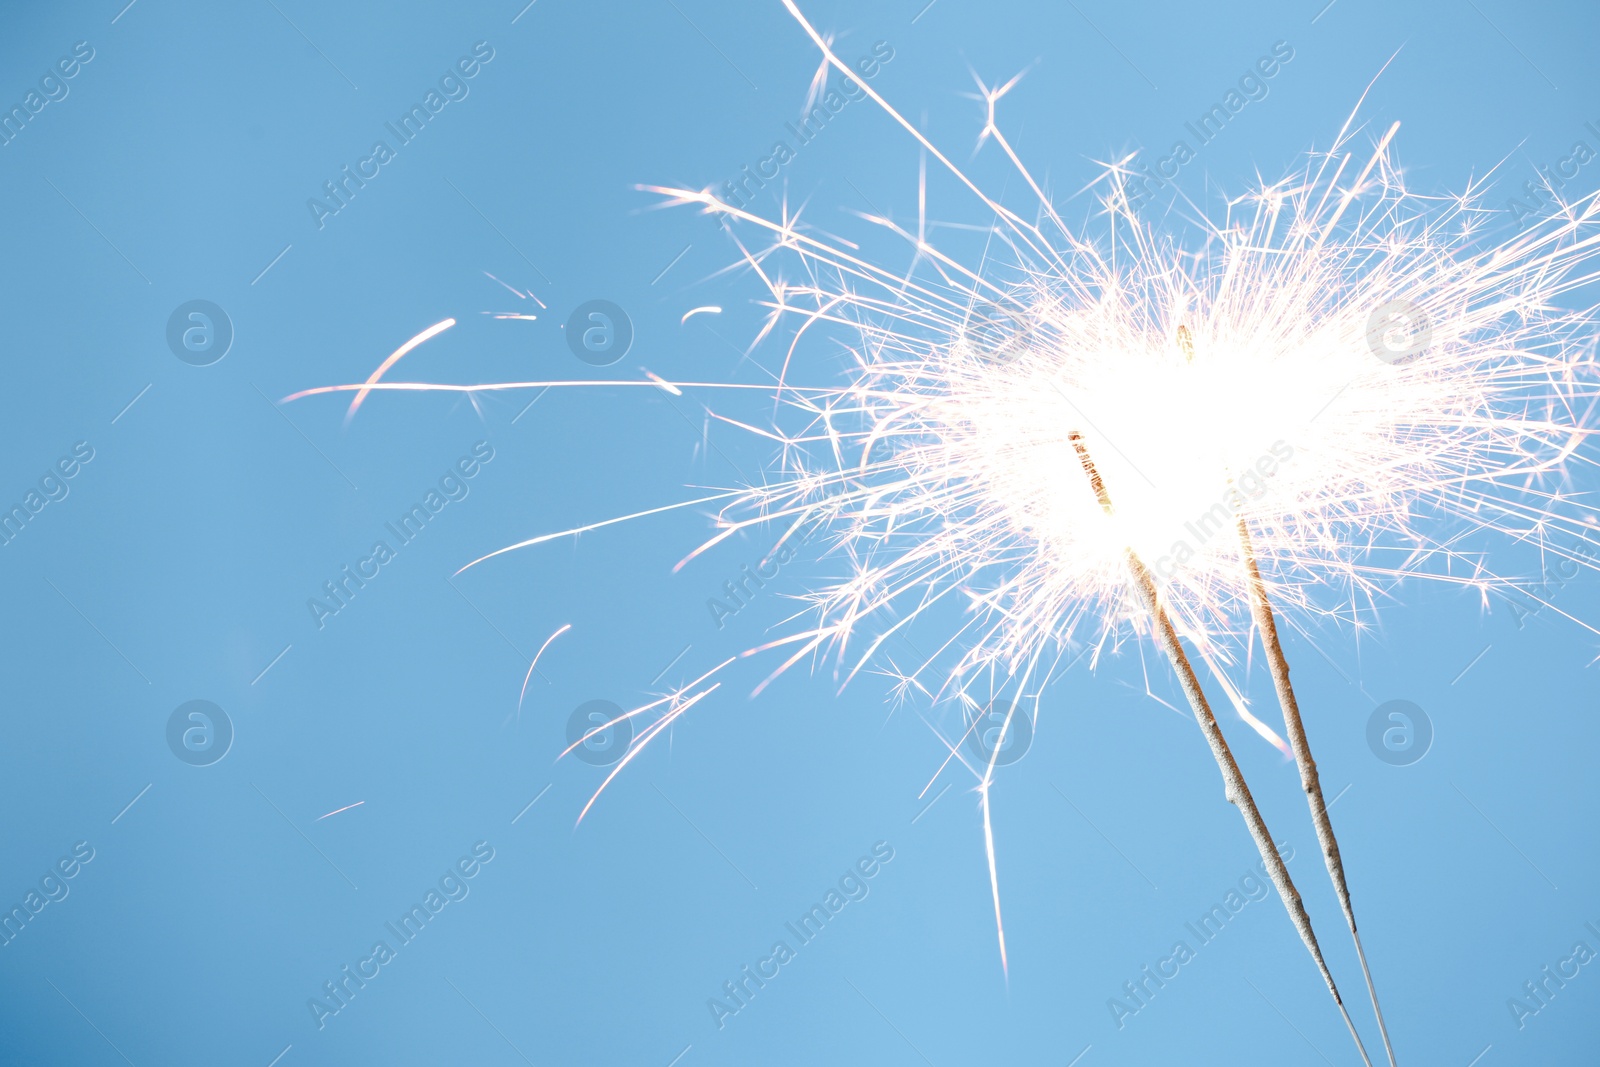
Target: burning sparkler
[
  {"x": 1235, "y": 788},
  {"x": 1313, "y": 403}
]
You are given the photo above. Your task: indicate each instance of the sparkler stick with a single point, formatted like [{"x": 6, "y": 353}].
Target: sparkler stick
[
  {"x": 1234, "y": 787},
  {"x": 1261, "y": 611}
]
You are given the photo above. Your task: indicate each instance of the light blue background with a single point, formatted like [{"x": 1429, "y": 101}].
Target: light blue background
[{"x": 184, "y": 555}]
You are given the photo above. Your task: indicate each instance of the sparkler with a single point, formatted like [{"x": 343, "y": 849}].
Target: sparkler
[
  {"x": 1278, "y": 665},
  {"x": 1235, "y": 789},
  {"x": 1341, "y": 382}
]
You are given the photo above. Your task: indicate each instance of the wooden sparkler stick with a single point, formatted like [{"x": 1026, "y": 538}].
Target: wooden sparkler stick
[
  {"x": 1234, "y": 787},
  {"x": 1261, "y": 611}
]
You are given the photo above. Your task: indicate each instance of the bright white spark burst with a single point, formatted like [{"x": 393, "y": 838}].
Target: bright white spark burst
[{"x": 1251, "y": 374}]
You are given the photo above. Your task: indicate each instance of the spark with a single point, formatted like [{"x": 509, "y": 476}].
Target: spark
[
  {"x": 534, "y": 666},
  {"x": 336, "y": 811},
  {"x": 395, "y": 357},
  {"x": 514, "y": 292},
  {"x": 666, "y": 386},
  {"x": 674, "y": 703},
  {"x": 709, "y": 309},
  {"x": 498, "y": 387},
  {"x": 596, "y": 526}
]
